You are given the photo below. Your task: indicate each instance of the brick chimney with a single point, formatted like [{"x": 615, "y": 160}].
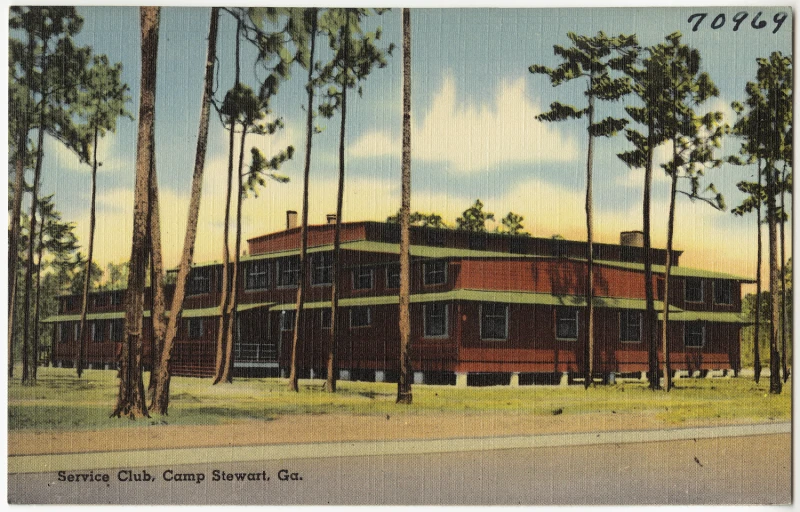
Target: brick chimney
[
  {"x": 291, "y": 219},
  {"x": 632, "y": 238}
]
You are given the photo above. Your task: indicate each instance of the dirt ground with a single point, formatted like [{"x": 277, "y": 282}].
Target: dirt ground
[{"x": 323, "y": 428}]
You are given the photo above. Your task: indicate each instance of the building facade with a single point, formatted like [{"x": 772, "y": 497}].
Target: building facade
[{"x": 486, "y": 308}]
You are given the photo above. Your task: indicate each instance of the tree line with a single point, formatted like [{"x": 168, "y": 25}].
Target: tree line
[{"x": 671, "y": 89}]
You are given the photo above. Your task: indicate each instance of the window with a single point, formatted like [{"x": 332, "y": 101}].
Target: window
[
  {"x": 199, "y": 281},
  {"x": 98, "y": 333},
  {"x": 116, "y": 298},
  {"x": 257, "y": 277},
  {"x": 360, "y": 316},
  {"x": 116, "y": 330},
  {"x": 99, "y": 301},
  {"x": 694, "y": 334},
  {"x": 494, "y": 321},
  {"x": 630, "y": 325},
  {"x": 362, "y": 278},
  {"x": 195, "y": 328},
  {"x": 322, "y": 272},
  {"x": 434, "y": 272},
  {"x": 289, "y": 271},
  {"x": 393, "y": 275},
  {"x": 325, "y": 318},
  {"x": 435, "y": 318},
  {"x": 566, "y": 324},
  {"x": 76, "y": 328},
  {"x": 722, "y": 292},
  {"x": 287, "y": 321},
  {"x": 694, "y": 290},
  {"x": 63, "y": 334}
]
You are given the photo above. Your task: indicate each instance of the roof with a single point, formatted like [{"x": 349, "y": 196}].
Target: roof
[
  {"x": 676, "y": 271},
  {"x": 187, "y": 313},
  {"x": 708, "y": 316},
  {"x": 426, "y": 251},
  {"x": 511, "y": 297}
]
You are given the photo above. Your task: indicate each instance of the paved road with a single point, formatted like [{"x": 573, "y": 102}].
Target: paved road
[{"x": 691, "y": 470}]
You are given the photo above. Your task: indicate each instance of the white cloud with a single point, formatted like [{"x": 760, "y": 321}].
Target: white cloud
[{"x": 474, "y": 138}]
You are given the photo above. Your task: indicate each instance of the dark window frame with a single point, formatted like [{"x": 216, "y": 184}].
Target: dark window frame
[
  {"x": 428, "y": 317},
  {"x": 486, "y": 316},
  {"x": 199, "y": 281},
  {"x": 325, "y": 318},
  {"x": 117, "y": 326},
  {"x": 717, "y": 285},
  {"x": 361, "y": 273},
  {"x": 195, "y": 328},
  {"x": 688, "y": 334},
  {"x": 287, "y": 272},
  {"x": 625, "y": 326},
  {"x": 564, "y": 315},
  {"x": 353, "y": 316},
  {"x": 688, "y": 294},
  {"x": 427, "y": 271},
  {"x": 321, "y": 266},
  {"x": 257, "y": 280},
  {"x": 286, "y": 322},
  {"x": 390, "y": 271},
  {"x": 97, "y": 332}
]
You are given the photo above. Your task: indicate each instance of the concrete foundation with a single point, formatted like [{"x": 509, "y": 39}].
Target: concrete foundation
[
  {"x": 419, "y": 378},
  {"x": 564, "y": 379},
  {"x": 380, "y": 376},
  {"x": 344, "y": 374},
  {"x": 461, "y": 380},
  {"x": 514, "y": 380}
]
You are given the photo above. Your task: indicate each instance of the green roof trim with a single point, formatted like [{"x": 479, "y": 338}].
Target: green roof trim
[
  {"x": 708, "y": 316},
  {"x": 509, "y": 297},
  {"x": 676, "y": 271},
  {"x": 187, "y": 313}
]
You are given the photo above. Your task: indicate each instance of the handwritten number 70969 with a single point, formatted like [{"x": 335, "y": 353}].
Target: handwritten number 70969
[{"x": 737, "y": 20}]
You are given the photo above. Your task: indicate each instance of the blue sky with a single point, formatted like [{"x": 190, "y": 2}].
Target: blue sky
[{"x": 474, "y": 130}]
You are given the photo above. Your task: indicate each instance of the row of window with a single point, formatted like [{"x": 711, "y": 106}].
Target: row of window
[
  {"x": 98, "y": 332},
  {"x": 722, "y": 291},
  {"x": 493, "y": 324},
  {"x": 287, "y": 274}
]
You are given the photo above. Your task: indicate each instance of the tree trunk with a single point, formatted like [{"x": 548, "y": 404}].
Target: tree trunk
[
  {"x": 404, "y": 394},
  {"x": 775, "y": 384},
  {"x": 158, "y": 308},
  {"x": 37, "y": 304},
  {"x": 588, "y": 354},
  {"x": 784, "y": 218},
  {"x": 160, "y": 402},
  {"x": 234, "y": 300},
  {"x": 301, "y": 285},
  {"x": 82, "y": 331},
  {"x": 131, "y": 396},
  {"x": 26, "y": 311},
  {"x": 330, "y": 382},
  {"x": 13, "y": 242},
  {"x": 756, "y": 337},
  {"x": 224, "y": 317},
  {"x": 650, "y": 313},
  {"x": 668, "y": 267}
]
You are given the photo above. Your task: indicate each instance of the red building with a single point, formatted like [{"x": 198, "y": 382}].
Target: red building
[{"x": 485, "y": 308}]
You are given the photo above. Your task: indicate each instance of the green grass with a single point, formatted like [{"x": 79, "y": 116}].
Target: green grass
[{"x": 60, "y": 401}]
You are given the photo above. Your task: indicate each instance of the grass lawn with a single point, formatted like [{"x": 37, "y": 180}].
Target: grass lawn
[{"x": 60, "y": 401}]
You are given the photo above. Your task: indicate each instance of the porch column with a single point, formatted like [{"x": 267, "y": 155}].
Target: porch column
[{"x": 461, "y": 380}]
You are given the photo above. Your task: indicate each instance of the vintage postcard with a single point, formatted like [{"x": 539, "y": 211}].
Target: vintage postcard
[{"x": 370, "y": 256}]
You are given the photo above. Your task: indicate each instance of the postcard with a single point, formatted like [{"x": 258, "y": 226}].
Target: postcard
[{"x": 407, "y": 256}]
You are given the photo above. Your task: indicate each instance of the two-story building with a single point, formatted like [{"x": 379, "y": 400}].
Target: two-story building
[{"x": 485, "y": 308}]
